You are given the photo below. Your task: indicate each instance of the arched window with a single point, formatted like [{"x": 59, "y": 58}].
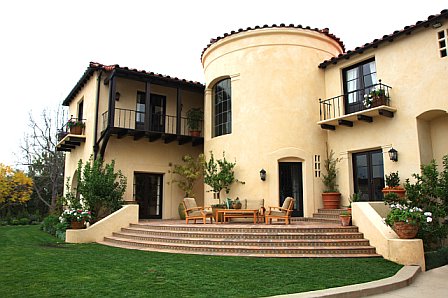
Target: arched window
[{"x": 222, "y": 108}]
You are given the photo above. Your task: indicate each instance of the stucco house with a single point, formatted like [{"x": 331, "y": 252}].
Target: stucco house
[{"x": 276, "y": 98}]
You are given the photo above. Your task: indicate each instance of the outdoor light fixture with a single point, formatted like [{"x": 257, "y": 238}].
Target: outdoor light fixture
[
  {"x": 117, "y": 96},
  {"x": 393, "y": 154},
  {"x": 263, "y": 174},
  {"x": 436, "y": 25}
]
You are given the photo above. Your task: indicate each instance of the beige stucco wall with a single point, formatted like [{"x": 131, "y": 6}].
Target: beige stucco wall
[
  {"x": 411, "y": 65},
  {"x": 136, "y": 156},
  {"x": 274, "y": 82}
]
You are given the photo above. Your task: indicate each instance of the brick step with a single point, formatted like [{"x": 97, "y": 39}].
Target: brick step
[
  {"x": 242, "y": 250},
  {"x": 245, "y": 242},
  {"x": 269, "y": 229},
  {"x": 319, "y": 220},
  {"x": 326, "y": 215},
  {"x": 333, "y": 211},
  {"x": 245, "y": 235}
]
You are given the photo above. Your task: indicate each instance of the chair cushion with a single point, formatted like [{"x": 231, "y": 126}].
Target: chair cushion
[
  {"x": 195, "y": 213},
  {"x": 286, "y": 203},
  {"x": 254, "y": 204},
  {"x": 277, "y": 213},
  {"x": 190, "y": 203}
]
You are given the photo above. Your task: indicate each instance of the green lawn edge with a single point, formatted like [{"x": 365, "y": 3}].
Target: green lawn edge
[{"x": 36, "y": 264}]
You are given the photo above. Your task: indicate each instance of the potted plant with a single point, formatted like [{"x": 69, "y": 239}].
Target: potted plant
[
  {"x": 331, "y": 196},
  {"x": 404, "y": 219},
  {"x": 393, "y": 185},
  {"x": 188, "y": 173},
  {"x": 75, "y": 218},
  {"x": 375, "y": 98},
  {"x": 236, "y": 204},
  {"x": 75, "y": 126},
  {"x": 345, "y": 217},
  {"x": 194, "y": 121}
]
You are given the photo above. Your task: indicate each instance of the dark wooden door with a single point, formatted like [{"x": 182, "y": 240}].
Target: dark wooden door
[
  {"x": 291, "y": 185},
  {"x": 368, "y": 174},
  {"x": 148, "y": 193}
]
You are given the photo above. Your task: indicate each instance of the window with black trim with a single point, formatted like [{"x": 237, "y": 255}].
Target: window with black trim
[
  {"x": 222, "y": 108},
  {"x": 443, "y": 40},
  {"x": 359, "y": 80}
]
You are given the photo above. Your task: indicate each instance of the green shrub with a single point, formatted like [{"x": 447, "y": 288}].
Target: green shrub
[
  {"x": 3, "y": 222},
  {"x": 49, "y": 224},
  {"x": 24, "y": 221},
  {"x": 15, "y": 222},
  {"x": 435, "y": 259}
]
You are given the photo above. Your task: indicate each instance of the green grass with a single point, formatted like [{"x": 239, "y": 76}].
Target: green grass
[{"x": 35, "y": 264}]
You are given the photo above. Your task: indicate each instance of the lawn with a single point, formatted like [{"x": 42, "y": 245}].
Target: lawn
[{"x": 35, "y": 264}]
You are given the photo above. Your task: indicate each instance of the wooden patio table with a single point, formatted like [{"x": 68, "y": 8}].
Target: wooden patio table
[{"x": 237, "y": 213}]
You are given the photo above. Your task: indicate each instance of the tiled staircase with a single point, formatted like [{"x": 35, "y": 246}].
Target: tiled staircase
[
  {"x": 301, "y": 239},
  {"x": 323, "y": 215}
]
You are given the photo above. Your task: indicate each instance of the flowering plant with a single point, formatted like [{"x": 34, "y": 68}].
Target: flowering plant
[
  {"x": 374, "y": 93},
  {"x": 73, "y": 122},
  {"x": 405, "y": 213},
  {"x": 70, "y": 215}
]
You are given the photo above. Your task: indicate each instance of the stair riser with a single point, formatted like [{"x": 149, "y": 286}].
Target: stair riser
[
  {"x": 242, "y": 242},
  {"x": 228, "y": 229},
  {"x": 303, "y": 236},
  {"x": 268, "y": 251}
]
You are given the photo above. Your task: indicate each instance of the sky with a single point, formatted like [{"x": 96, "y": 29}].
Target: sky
[{"x": 46, "y": 45}]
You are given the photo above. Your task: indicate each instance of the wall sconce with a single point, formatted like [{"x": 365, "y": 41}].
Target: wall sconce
[
  {"x": 263, "y": 175},
  {"x": 393, "y": 154},
  {"x": 117, "y": 96},
  {"x": 436, "y": 25}
]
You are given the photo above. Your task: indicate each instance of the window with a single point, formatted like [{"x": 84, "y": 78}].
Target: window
[
  {"x": 358, "y": 80},
  {"x": 442, "y": 40},
  {"x": 81, "y": 110},
  {"x": 222, "y": 108},
  {"x": 140, "y": 110}
]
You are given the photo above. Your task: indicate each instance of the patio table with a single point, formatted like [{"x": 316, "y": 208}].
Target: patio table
[{"x": 237, "y": 213}]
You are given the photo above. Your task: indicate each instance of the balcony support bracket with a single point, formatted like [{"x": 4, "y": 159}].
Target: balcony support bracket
[
  {"x": 365, "y": 118},
  {"x": 328, "y": 127},
  {"x": 386, "y": 113},
  {"x": 345, "y": 123}
]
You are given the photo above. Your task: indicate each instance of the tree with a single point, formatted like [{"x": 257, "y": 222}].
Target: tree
[
  {"x": 15, "y": 187},
  {"x": 188, "y": 172},
  {"x": 45, "y": 164},
  {"x": 219, "y": 174},
  {"x": 101, "y": 188}
]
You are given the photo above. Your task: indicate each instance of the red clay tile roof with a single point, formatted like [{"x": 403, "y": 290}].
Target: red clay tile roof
[
  {"x": 325, "y": 31},
  {"x": 94, "y": 66},
  {"x": 390, "y": 38}
]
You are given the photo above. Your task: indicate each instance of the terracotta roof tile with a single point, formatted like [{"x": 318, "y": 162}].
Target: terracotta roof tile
[
  {"x": 325, "y": 31},
  {"x": 94, "y": 66},
  {"x": 407, "y": 30}
]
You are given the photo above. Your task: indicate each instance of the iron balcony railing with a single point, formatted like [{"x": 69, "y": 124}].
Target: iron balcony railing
[
  {"x": 72, "y": 126},
  {"x": 355, "y": 101},
  {"x": 157, "y": 123}
]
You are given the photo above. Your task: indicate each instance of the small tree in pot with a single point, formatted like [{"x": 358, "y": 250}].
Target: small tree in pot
[
  {"x": 331, "y": 196},
  {"x": 393, "y": 185},
  {"x": 188, "y": 173},
  {"x": 194, "y": 120}
]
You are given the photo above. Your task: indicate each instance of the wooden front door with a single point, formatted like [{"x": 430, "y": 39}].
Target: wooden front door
[
  {"x": 291, "y": 185},
  {"x": 148, "y": 193}
]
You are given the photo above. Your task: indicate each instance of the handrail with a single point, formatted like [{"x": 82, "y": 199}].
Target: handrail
[{"x": 354, "y": 101}]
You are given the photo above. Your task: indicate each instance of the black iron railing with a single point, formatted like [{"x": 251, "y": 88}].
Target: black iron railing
[
  {"x": 355, "y": 101},
  {"x": 72, "y": 126},
  {"x": 158, "y": 123}
]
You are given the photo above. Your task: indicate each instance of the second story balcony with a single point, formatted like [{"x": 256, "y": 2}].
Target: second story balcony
[
  {"x": 154, "y": 126},
  {"x": 71, "y": 135},
  {"x": 358, "y": 105}
]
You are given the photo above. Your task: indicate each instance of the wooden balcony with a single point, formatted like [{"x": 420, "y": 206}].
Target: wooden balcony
[
  {"x": 71, "y": 135},
  {"x": 360, "y": 105},
  {"x": 153, "y": 127}
]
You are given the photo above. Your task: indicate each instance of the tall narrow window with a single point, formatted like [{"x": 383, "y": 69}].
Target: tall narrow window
[
  {"x": 222, "y": 108},
  {"x": 442, "y": 39},
  {"x": 80, "y": 110},
  {"x": 358, "y": 80}
]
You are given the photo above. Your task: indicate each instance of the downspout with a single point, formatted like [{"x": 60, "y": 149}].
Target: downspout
[{"x": 97, "y": 107}]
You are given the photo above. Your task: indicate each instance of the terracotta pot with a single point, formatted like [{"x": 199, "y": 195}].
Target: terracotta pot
[
  {"x": 195, "y": 133},
  {"x": 76, "y": 130},
  {"x": 345, "y": 220},
  {"x": 400, "y": 191},
  {"x": 76, "y": 225},
  {"x": 331, "y": 200},
  {"x": 405, "y": 230}
]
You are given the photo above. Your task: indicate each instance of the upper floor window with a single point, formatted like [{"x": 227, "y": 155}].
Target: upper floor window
[
  {"x": 222, "y": 108},
  {"x": 81, "y": 110},
  {"x": 359, "y": 80},
  {"x": 443, "y": 40}
]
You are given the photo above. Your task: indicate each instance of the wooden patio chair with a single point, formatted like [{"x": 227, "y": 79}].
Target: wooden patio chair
[
  {"x": 283, "y": 212},
  {"x": 192, "y": 211}
]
